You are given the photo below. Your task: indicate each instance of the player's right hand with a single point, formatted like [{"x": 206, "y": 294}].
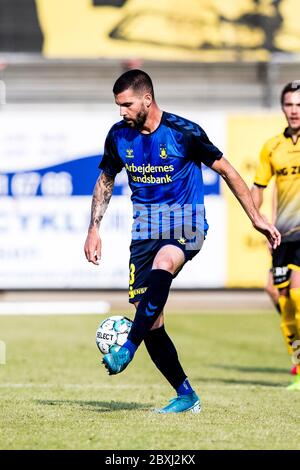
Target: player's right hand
[{"x": 92, "y": 247}]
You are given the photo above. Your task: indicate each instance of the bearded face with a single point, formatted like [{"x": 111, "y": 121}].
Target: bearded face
[{"x": 133, "y": 107}]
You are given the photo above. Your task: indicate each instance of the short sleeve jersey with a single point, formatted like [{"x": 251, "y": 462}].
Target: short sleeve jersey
[
  {"x": 280, "y": 158},
  {"x": 163, "y": 167}
]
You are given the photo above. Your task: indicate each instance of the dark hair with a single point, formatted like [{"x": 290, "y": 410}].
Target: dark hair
[
  {"x": 136, "y": 79},
  {"x": 290, "y": 87}
]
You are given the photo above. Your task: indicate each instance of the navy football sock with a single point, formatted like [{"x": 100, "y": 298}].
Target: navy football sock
[
  {"x": 151, "y": 305},
  {"x": 131, "y": 347},
  {"x": 164, "y": 355},
  {"x": 185, "y": 388}
]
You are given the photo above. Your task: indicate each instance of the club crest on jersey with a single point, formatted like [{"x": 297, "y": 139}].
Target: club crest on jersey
[
  {"x": 163, "y": 151},
  {"x": 129, "y": 153}
]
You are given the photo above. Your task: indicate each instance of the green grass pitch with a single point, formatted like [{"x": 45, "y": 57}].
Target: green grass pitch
[{"x": 56, "y": 395}]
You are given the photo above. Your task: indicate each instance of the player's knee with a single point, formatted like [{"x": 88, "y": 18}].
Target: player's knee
[
  {"x": 166, "y": 263},
  {"x": 269, "y": 290},
  {"x": 272, "y": 292},
  {"x": 285, "y": 291},
  {"x": 158, "y": 322}
]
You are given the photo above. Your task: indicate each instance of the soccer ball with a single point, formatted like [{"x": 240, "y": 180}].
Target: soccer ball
[{"x": 112, "y": 333}]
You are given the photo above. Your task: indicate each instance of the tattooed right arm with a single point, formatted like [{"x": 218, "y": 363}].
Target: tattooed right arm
[{"x": 101, "y": 197}]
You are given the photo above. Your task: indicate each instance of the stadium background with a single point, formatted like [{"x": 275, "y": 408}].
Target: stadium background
[{"x": 220, "y": 64}]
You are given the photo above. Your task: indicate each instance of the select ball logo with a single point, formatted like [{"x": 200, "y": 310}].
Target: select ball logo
[
  {"x": 112, "y": 333},
  {"x": 106, "y": 336}
]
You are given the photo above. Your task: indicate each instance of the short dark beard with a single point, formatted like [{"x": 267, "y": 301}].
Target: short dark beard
[{"x": 139, "y": 121}]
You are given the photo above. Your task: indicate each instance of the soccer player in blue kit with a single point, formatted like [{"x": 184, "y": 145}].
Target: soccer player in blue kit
[{"x": 162, "y": 154}]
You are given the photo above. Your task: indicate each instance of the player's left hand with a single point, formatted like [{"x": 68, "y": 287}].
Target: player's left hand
[{"x": 269, "y": 230}]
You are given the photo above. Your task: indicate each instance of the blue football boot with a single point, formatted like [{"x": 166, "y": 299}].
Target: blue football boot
[
  {"x": 116, "y": 361},
  {"x": 182, "y": 403}
]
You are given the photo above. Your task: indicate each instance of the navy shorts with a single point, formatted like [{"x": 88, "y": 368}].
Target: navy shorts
[
  {"x": 285, "y": 258},
  {"x": 142, "y": 254}
]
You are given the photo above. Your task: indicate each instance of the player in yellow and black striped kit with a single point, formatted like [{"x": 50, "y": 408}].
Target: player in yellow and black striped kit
[{"x": 280, "y": 157}]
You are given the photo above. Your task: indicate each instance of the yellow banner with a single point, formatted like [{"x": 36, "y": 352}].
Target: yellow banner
[
  {"x": 248, "y": 258},
  {"x": 208, "y": 30}
]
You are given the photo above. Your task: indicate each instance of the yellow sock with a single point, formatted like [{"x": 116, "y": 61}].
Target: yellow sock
[
  {"x": 295, "y": 297},
  {"x": 288, "y": 321}
]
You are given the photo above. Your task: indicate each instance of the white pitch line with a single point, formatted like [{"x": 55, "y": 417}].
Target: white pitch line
[{"x": 54, "y": 308}]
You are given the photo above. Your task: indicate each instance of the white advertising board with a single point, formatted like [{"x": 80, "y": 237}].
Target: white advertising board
[{"x": 48, "y": 167}]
